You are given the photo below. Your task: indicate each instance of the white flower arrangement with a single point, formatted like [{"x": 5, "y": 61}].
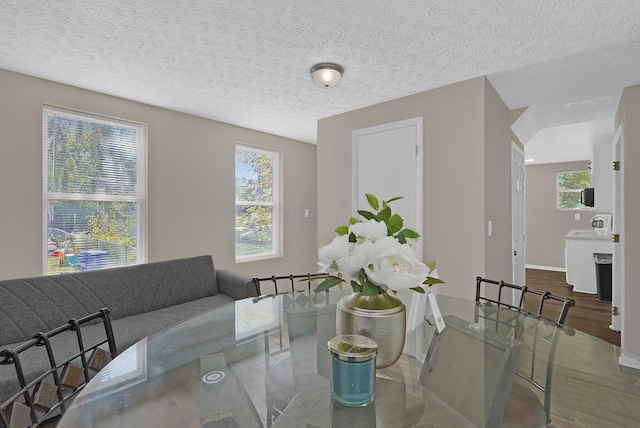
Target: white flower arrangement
[{"x": 373, "y": 255}]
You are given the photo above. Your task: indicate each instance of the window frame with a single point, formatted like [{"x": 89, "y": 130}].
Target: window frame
[
  {"x": 141, "y": 178},
  {"x": 558, "y": 190},
  {"x": 276, "y": 202}
]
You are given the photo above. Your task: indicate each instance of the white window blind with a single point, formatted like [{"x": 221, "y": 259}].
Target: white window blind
[{"x": 93, "y": 191}]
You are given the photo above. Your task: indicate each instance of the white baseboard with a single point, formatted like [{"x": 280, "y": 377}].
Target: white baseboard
[
  {"x": 555, "y": 269},
  {"x": 627, "y": 359}
]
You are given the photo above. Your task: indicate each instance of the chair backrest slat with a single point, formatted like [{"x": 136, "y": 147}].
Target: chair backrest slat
[
  {"x": 61, "y": 391},
  {"x": 525, "y": 291},
  {"x": 276, "y": 280}
]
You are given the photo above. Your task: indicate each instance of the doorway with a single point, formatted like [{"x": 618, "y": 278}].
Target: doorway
[
  {"x": 517, "y": 215},
  {"x": 617, "y": 274}
]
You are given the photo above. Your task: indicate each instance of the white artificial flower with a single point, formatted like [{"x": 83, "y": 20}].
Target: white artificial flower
[
  {"x": 370, "y": 229},
  {"x": 359, "y": 255},
  {"x": 350, "y": 266},
  {"x": 395, "y": 266},
  {"x": 337, "y": 249}
]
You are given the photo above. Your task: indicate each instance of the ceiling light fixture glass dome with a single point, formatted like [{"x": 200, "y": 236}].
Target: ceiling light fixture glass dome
[{"x": 326, "y": 74}]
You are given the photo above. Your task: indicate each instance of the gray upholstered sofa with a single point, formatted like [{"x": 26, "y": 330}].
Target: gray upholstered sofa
[{"x": 143, "y": 299}]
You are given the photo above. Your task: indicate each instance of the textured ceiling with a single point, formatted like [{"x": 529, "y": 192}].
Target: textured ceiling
[{"x": 247, "y": 62}]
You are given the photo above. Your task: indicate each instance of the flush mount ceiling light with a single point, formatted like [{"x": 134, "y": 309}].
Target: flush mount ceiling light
[{"x": 326, "y": 74}]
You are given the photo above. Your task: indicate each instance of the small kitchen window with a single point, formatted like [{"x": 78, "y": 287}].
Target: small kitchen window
[{"x": 569, "y": 185}]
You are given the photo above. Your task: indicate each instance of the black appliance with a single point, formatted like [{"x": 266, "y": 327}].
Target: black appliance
[{"x": 587, "y": 197}]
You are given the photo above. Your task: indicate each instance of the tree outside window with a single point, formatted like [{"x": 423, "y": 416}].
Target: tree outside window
[
  {"x": 257, "y": 190},
  {"x": 569, "y": 186},
  {"x": 93, "y": 191}
]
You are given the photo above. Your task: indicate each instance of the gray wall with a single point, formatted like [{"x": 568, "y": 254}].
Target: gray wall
[
  {"x": 546, "y": 226},
  {"x": 628, "y": 114},
  {"x": 497, "y": 176},
  {"x": 191, "y": 171},
  {"x": 456, "y": 177}
]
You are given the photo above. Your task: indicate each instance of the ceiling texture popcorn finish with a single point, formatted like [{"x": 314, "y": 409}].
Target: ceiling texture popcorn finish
[{"x": 247, "y": 62}]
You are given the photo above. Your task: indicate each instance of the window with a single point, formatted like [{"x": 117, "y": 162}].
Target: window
[
  {"x": 569, "y": 186},
  {"x": 257, "y": 203},
  {"x": 93, "y": 191}
]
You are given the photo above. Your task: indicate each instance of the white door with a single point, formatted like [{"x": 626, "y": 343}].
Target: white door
[
  {"x": 517, "y": 216},
  {"x": 387, "y": 162},
  {"x": 617, "y": 274}
]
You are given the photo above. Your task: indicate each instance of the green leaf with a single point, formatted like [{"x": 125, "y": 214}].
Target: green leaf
[
  {"x": 430, "y": 281},
  {"x": 353, "y": 237},
  {"x": 384, "y": 214},
  {"x": 411, "y": 234},
  {"x": 397, "y": 198},
  {"x": 373, "y": 201},
  {"x": 316, "y": 277},
  {"x": 328, "y": 283},
  {"x": 362, "y": 276},
  {"x": 418, "y": 289},
  {"x": 367, "y": 214},
  {"x": 356, "y": 287},
  {"x": 431, "y": 266},
  {"x": 348, "y": 348},
  {"x": 395, "y": 224},
  {"x": 353, "y": 220},
  {"x": 342, "y": 230},
  {"x": 401, "y": 238},
  {"x": 370, "y": 289}
]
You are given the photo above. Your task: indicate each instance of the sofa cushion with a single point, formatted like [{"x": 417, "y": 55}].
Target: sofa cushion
[
  {"x": 43, "y": 303},
  {"x": 136, "y": 289},
  {"x": 129, "y": 330}
]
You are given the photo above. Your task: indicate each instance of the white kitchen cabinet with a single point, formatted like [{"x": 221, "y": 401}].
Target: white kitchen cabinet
[
  {"x": 581, "y": 268},
  {"x": 602, "y": 177}
]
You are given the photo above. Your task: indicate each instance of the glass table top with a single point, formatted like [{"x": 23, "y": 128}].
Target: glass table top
[{"x": 264, "y": 363}]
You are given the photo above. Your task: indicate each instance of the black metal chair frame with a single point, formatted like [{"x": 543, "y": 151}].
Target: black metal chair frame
[
  {"x": 501, "y": 318},
  {"x": 275, "y": 280},
  {"x": 64, "y": 393},
  {"x": 542, "y": 295}
]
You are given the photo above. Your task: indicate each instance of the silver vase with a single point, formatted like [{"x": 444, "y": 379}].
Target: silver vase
[{"x": 381, "y": 317}]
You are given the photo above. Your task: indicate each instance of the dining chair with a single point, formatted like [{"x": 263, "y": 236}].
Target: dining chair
[
  {"x": 471, "y": 370},
  {"x": 289, "y": 362},
  {"x": 277, "y": 285},
  {"x": 539, "y": 330},
  {"x": 70, "y": 354}
]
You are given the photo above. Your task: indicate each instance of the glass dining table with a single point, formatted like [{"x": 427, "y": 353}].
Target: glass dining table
[{"x": 265, "y": 363}]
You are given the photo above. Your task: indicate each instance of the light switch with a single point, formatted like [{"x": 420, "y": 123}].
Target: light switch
[
  {"x": 576, "y": 216},
  {"x": 490, "y": 228},
  {"x": 306, "y": 212}
]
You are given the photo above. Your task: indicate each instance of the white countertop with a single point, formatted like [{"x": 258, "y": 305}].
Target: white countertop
[{"x": 588, "y": 234}]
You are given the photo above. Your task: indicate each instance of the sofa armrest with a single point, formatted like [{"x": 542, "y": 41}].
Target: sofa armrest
[{"x": 236, "y": 285}]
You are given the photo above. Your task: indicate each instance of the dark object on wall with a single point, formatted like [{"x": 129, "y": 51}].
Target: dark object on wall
[{"x": 587, "y": 197}]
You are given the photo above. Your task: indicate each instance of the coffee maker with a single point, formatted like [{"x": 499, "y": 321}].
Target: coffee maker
[{"x": 602, "y": 224}]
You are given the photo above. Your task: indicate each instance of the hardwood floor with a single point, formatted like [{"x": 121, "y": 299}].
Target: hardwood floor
[{"x": 588, "y": 315}]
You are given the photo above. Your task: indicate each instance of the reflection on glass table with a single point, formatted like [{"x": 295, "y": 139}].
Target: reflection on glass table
[{"x": 264, "y": 363}]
